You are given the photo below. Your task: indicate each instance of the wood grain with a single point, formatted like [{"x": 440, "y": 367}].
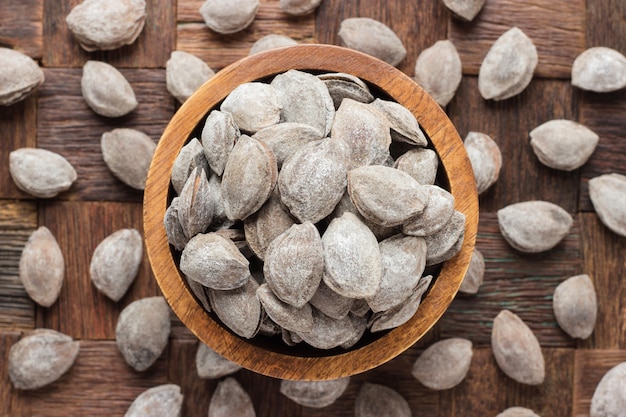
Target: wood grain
[
  {"x": 522, "y": 283},
  {"x": 590, "y": 367},
  {"x": 508, "y": 123},
  {"x": 218, "y": 50},
  {"x": 21, "y": 26},
  {"x": 557, "y": 28},
  {"x": 78, "y": 137},
  {"x": 150, "y": 50},
  {"x": 307, "y": 365},
  {"x": 18, "y": 219},
  {"x": 81, "y": 310},
  {"x": 100, "y": 383},
  {"x": 604, "y": 262},
  {"x": 418, "y": 24}
]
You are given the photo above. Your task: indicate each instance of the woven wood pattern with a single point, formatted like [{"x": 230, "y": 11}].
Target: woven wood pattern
[{"x": 57, "y": 118}]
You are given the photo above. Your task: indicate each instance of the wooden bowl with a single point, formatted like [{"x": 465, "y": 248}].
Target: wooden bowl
[{"x": 272, "y": 358}]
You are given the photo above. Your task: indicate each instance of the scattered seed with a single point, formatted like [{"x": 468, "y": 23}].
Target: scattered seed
[
  {"x": 314, "y": 394},
  {"x": 20, "y": 75},
  {"x": 599, "y": 69},
  {"x": 608, "y": 196},
  {"x": 299, "y": 7},
  {"x": 229, "y": 399},
  {"x": 373, "y": 38},
  {"x": 40, "y": 172},
  {"x": 438, "y": 70},
  {"x": 228, "y": 16},
  {"x": 609, "y": 398},
  {"x": 128, "y": 154},
  {"x": 444, "y": 364},
  {"x": 184, "y": 74},
  {"x": 212, "y": 365},
  {"x": 160, "y": 401},
  {"x": 464, "y": 9},
  {"x": 475, "y": 273},
  {"x": 271, "y": 41},
  {"x": 106, "y": 91},
  {"x": 517, "y": 412},
  {"x": 486, "y": 159},
  {"x": 575, "y": 306},
  {"x": 379, "y": 400}
]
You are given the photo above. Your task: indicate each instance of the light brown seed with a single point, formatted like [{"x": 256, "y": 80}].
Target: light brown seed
[
  {"x": 444, "y": 364},
  {"x": 20, "y": 75},
  {"x": 420, "y": 163},
  {"x": 229, "y": 399},
  {"x": 239, "y": 309},
  {"x": 142, "y": 331},
  {"x": 174, "y": 230},
  {"x": 516, "y": 349},
  {"x": 330, "y": 303},
  {"x": 475, "y": 273},
  {"x": 115, "y": 262},
  {"x": 534, "y": 226},
  {"x": 212, "y": 365},
  {"x": 327, "y": 332},
  {"x": 106, "y": 91},
  {"x": 563, "y": 144},
  {"x": 40, "y": 358},
  {"x": 517, "y": 412},
  {"x": 346, "y": 205},
  {"x": 195, "y": 209},
  {"x": 441, "y": 242},
  {"x": 191, "y": 156},
  {"x": 219, "y": 134},
  {"x": 299, "y": 7},
  {"x": 608, "y": 196},
  {"x": 403, "y": 259},
  {"x": 386, "y": 196},
  {"x": 314, "y": 394},
  {"x": 314, "y": 178},
  {"x": 160, "y": 401},
  {"x": 464, "y": 9},
  {"x": 42, "y": 267},
  {"x": 351, "y": 258},
  {"x": 599, "y": 69},
  {"x": 249, "y": 178},
  {"x": 404, "y": 125},
  {"x": 486, "y": 159},
  {"x": 128, "y": 154},
  {"x": 400, "y": 314},
  {"x": 294, "y": 319},
  {"x": 40, "y": 172},
  {"x": 450, "y": 253},
  {"x": 228, "y": 16},
  {"x": 508, "y": 66},
  {"x": 294, "y": 264},
  {"x": 214, "y": 262},
  {"x": 435, "y": 215},
  {"x": 271, "y": 41},
  {"x": 253, "y": 106},
  {"x": 373, "y": 38},
  {"x": 365, "y": 130},
  {"x": 184, "y": 74},
  {"x": 304, "y": 99},
  {"x": 438, "y": 70},
  {"x": 609, "y": 398},
  {"x": 575, "y": 306},
  {"x": 284, "y": 139},
  {"x": 379, "y": 400},
  {"x": 106, "y": 24}
]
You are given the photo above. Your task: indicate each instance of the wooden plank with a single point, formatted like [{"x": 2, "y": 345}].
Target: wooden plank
[
  {"x": 557, "y": 28},
  {"x": 605, "y": 24},
  {"x": 18, "y": 129},
  {"x": 418, "y": 24},
  {"x": 218, "y": 50},
  {"x": 522, "y": 283},
  {"x": 150, "y": 50},
  {"x": 12, "y": 401},
  {"x": 100, "y": 383},
  {"x": 18, "y": 219},
  {"x": 508, "y": 123},
  {"x": 21, "y": 26},
  {"x": 82, "y": 311},
  {"x": 590, "y": 367},
  {"x": 603, "y": 113},
  {"x": 603, "y": 254},
  {"x": 66, "y": 125}
]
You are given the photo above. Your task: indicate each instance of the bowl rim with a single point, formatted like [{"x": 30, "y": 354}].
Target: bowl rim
[{"x": 398, "y": 86}]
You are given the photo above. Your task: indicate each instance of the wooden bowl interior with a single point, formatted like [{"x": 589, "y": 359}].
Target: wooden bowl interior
[{"x": 271, "y": 357}]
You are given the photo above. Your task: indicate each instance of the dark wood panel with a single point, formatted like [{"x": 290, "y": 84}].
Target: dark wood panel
[
  {"x": 508, "y": 123},
  {"x": 557, "y": 28},
  {"x": 68, "y": 126},
  {"x": 605, "y": 24},
  {"x": 82, "y": 311},
  {"x": 590, "y": 367},
  {"x": 419, "y": 24},
  {"x": 21, "y": 26},
  {"x": 150, "y": 50},
  {"x": 522, "y": 283},
  {"x": 99, "y": 384},
  {"x": 604, "y": 261}
]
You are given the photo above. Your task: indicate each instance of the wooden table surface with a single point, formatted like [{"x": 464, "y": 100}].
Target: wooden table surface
[{"x": 57, "y": 118}]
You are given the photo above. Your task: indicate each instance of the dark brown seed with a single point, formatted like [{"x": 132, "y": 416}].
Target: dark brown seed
[{"x": 174, "y": 230}]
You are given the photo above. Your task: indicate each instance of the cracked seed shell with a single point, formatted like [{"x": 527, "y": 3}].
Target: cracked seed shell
[
  {"x": 195, "y": 208},
  {"x": 444, "y": 364},
  {"x": 230, "y": 399},
  {"x": 340, "y": 88},
  {"x": 160, "y": 401},
  {"x": 609, "y": 398},
  {"x": 212, "y": 365},
  {"x": 219, "y": 134},
  {"x": 128, "y": 154},
  {"x": 485, "y": 157},
  {"x": 239, "y": 309},
  {"x": 373, "y": 38},
  {"x": 40, "y": 358},
  {"x": 575, "y": 306},
  {"x": 475, "y": 274},
  {"x": 608, "y": 196},
  {"x": 19, "y": 76},
  {"x": 253, "y": 106},
  {"x": 191, "y": 156},
  {"x": 42, "y": 267},
  {"x": 40, "y": 172},
  {"x": 228, "y": 16},
  {"x": 184, "y": 74},
  {"x": 374, "y": 400},
  {"x": 599, "y": 69},
  {"x": 173, "y": 229},
  {"x": 106, "y": 90},
  {"x": 438, "y": 70},
  {"x": 314, "y": 394},
  {"x": 403, "y": 124}
]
